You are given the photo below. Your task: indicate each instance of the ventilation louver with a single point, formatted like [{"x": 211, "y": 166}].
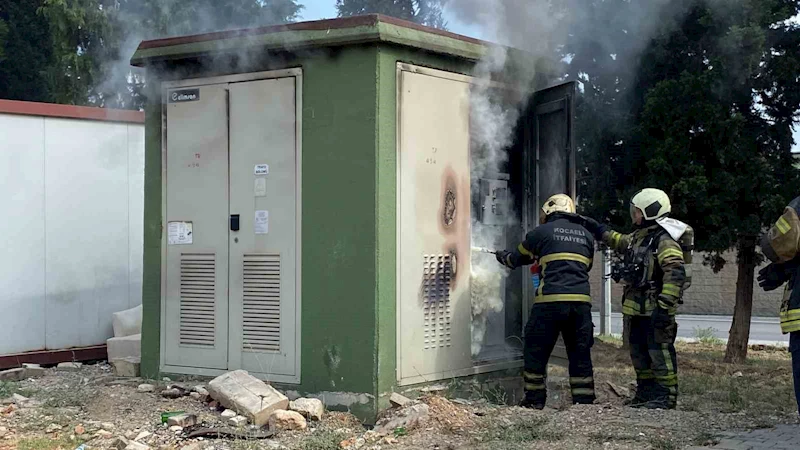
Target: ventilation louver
[
  {"x": 261, "y": 319},
  {"x": 436, "y": 298},
  {"x": 198, "y": 292}
]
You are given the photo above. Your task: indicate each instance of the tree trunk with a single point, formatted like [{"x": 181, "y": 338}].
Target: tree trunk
[{"x": 743, "y": 311}]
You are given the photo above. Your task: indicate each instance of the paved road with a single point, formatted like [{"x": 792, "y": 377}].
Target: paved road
[
  {"x": 782, "y": 437},
  {"x": 763, "y": 330}
]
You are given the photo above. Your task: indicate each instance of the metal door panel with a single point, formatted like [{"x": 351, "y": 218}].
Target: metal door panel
[
  {"x": 196, "y": 291},
  {"x": 263, "y": 256},
  {"x": 555, "y": 155},
  {"x": 434, "y": 303}
]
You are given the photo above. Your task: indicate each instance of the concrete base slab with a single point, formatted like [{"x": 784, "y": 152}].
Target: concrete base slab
[{"x": 124, "y": 347}]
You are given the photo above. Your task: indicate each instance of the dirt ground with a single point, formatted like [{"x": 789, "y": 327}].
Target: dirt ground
[{"x": 93, "y": 407}]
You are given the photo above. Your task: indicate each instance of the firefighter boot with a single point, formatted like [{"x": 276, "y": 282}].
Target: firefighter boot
[
  {"x": 660, "y": 403},
  {"x": 531, "y": 402},
  {"x": 644, "y": 394}
]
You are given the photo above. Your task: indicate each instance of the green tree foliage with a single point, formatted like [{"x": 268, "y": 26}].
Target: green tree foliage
[
  {"x": 424, "y": 12},
  {"x": 78, "y": 50},
  {"x": 707, "y": 117},
  {"x": 25, "y": 51}
]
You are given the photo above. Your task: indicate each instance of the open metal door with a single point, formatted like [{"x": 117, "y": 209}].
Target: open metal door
[{"x": 553, "y": 149}]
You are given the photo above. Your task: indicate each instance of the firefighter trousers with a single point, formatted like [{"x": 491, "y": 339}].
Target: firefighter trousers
[
  {"x": 794, "y": 349},
  {"x": 654, "y": 360},
  {"x": 573, "y": 320}
]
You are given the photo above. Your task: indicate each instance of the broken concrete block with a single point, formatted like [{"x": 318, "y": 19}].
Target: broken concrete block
[
  {"x": 126, "y": 367},
  {"x": 146, "y": 388},
  {"x": 249, "y": 396},
  {"x": 176, "y": 429},
  {"x": 142, "y": 435},
  {"x": 69, "y": 366},
  {"x": 195, "y": 395},
  {"x": 108, "y": 426},
  {"x": 200, "y": 390},
  {"x": 237, "y": 421},
  {"x": 124, "y": 347},
  {"x": 310, "y": 408},
  {"x": 33, "y": 370},
  {"x": 136, "y": 446},
  {"x": 286, "y": 420},
  {"x": 19, "y": 400},
  {"x": 128, "y": 322},
  {"x": 407, "y": 418},
  {"x": 183, "y": 420},
  {"x": 119, "y": 443},
  {"x": 399, "y": 400},
  {"x": 12, "y": 375},
  {"x": 228, "y": 413}
]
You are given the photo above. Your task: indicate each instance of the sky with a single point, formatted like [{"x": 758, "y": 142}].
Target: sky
[{"x": 326, "y": 9}]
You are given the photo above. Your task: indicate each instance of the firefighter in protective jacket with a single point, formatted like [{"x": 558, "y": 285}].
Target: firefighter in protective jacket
[
  {"x": 653, "y": 273},
  {"x": 564, "y": 250},
  {"x": 781, "y": 245}
]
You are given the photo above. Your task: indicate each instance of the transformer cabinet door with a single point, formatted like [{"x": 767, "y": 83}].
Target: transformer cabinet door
[
  {"x": 552, "y": 154},
  {"x": 433, "y": 326}
]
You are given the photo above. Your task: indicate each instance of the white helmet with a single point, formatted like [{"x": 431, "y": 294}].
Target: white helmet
[
  {"x": 654, "y": 203},
  {"x": 558, "y": 203}
]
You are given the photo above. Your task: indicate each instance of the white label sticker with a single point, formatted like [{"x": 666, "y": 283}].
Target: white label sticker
[
  {"x": 260, "y": 188},
  {"x": 262, "y": 222},
  {"x": 179, "y": 233},
  {"x": 262, "y": 169}
]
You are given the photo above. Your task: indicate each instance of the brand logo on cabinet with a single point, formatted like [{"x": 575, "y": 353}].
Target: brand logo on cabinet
[{"x": 185, "y": 95}]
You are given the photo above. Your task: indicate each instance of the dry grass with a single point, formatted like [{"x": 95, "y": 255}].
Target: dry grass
[{"x": 761, "y": 386}]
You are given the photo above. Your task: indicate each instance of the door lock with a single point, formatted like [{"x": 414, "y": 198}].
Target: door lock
[{"x": 234, "y": 222}]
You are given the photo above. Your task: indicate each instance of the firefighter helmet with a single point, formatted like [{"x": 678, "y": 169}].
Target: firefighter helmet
[
  {"x": 654, "y": 203},
  {"x": 558, "y": 203}
]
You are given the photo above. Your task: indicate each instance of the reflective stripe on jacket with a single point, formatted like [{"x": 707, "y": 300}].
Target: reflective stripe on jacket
[
  {"x": 668, "y": 274},
  {"x": 781, "y": 245},
  {"x": 564, "y": 250}
]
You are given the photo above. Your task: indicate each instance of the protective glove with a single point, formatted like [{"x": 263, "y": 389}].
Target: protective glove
[
  {"x": 773, "y": 276},
  {"x": 502, "y": 257},
  {"x": 596, "y": 228},
  {"x": 661, "y": 318}
]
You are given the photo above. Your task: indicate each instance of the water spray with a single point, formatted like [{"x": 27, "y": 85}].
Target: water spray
[{"x": 483, "y": 250}]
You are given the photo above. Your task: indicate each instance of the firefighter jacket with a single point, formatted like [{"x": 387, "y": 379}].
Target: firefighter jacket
[
  {"x": 564, "y": 249},
  {"x": 781, "y": 245},
  {"x": 664, "y": 266}
]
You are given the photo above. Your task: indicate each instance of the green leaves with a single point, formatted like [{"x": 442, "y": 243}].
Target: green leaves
[
  {"x": 710, "y": 117},
  {"x": 77, "y": 51}
]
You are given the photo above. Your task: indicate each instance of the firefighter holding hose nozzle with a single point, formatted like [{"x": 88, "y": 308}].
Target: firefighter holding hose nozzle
[{"x": 564, "y": 250}]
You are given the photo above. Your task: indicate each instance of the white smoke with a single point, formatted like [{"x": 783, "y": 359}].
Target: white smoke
[{"x": 538, "y": 31}]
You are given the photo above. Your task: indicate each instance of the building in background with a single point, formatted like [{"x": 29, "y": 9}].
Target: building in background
[{"x": 71, "y": 199}]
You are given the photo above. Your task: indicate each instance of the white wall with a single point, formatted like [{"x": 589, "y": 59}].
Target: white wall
[{"x": 71, "y": 224}]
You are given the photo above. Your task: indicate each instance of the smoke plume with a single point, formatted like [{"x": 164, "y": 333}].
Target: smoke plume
[{"x": 576, "y": 39}]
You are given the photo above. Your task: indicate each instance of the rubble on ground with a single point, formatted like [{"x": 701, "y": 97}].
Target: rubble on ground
[
  {"x": 247, "y": 395},
  {"x": 282, "y": 420},
  {"x": 93, "y": 406},
  {"x": 310, "y": 408},
  {"x": 399, "y": 400}
]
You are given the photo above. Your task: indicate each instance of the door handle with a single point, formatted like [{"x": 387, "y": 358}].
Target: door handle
[{"x": 234, "y": 222}]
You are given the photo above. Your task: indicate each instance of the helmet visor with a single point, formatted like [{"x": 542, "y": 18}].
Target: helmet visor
[{"x": 633, "y": 212}]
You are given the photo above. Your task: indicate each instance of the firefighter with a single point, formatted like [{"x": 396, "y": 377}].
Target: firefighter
[
  {"x": 781, "y": 245},
  {"x": 564, "y": 249},
  {"x": 653, "y": 273}
]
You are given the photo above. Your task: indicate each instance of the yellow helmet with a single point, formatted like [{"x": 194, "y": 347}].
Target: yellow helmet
[
  {"x": 654, "y": 203},
  {"x": 558, "y": 203}
]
